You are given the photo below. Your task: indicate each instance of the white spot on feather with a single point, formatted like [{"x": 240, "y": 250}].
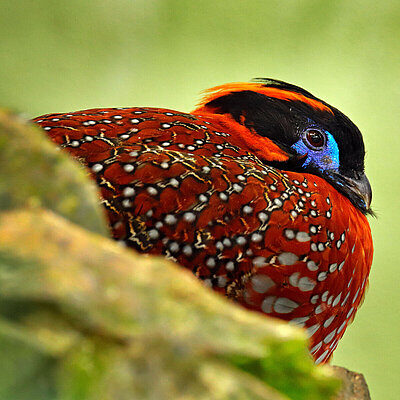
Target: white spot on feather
[
  {"x": 312, "y": 329},
  {"x": 302, "y": 237},
  {"x": 261, "y": 283},
  {"x": 306, "y": 284},
  {"x": 330, "y": 336},
  {"x": 284, "y": 305},
  {"x": 321, "y": 357},
  {"x": 288, "y": 258}
]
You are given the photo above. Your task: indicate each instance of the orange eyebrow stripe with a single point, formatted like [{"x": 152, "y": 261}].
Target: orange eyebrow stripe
[{"x": 222, "y": 90}]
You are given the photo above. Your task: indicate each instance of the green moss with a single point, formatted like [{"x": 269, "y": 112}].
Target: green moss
[{"x": 35, "y": 173}]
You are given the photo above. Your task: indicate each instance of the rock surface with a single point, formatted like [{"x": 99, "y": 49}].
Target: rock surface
[{"x": 354, "y": 385}]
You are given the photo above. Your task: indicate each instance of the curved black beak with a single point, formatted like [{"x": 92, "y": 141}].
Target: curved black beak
[{"x": 359, "y": 191}]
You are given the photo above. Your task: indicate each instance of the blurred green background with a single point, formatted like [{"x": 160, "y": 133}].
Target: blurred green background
[{"x": 59, "y": 56}]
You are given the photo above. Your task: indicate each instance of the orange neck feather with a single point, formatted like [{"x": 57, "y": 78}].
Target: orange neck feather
[{"x": 243, "y": 137}]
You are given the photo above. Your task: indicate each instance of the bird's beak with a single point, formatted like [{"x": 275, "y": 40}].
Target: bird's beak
[{"x": 361, "y": 189}]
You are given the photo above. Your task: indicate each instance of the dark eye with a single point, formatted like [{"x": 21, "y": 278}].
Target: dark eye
[{"x": 314, "y": 139}]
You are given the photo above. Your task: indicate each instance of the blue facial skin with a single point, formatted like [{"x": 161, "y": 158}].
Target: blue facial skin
[{"x": 325, "y": 159}]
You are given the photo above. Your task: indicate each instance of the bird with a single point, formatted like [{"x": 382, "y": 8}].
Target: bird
[{"x": 260, "y": 192}]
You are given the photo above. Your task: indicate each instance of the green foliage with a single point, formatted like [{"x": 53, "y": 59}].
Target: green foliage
[{"x": 83, "y": 318}]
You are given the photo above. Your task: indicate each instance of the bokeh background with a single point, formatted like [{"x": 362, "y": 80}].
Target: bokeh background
[{"x": 65, "y": 55}]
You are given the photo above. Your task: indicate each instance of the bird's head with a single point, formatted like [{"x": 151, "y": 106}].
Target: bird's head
[{"x": 306, "y": 134}]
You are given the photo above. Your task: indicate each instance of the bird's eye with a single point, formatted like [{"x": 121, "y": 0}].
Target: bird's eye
[{"x": 314, "y": 139}]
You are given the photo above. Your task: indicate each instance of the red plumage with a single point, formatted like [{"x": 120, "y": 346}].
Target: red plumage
[{"x": 198, "y": 189}]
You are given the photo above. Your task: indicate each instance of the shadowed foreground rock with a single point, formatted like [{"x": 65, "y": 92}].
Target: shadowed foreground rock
[
  {"x": 91, "y": 320},
  {"x": 82, "y": 318}
]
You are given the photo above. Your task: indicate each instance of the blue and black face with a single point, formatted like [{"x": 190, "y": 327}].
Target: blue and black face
[
  {"x": 331, "y": 155},
  {"x": 317, "y": 141}
]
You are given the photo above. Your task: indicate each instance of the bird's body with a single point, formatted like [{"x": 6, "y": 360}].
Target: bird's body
[{"x": 251, "y": 215}]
